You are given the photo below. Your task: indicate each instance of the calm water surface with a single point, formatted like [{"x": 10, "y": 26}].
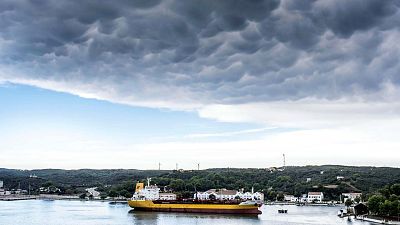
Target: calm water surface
[{"x": 37, "y": 212}]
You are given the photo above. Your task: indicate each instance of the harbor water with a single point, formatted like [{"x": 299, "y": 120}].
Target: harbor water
[{"x": 41, "y": 212}]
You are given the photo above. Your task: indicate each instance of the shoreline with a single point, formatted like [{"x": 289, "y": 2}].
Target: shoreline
[
  {"x": 76, "y": 198},
  {"x": 305, "y": 204},
  {"x": 57, "y": 197},
  {"x": 378, "y": 220}
]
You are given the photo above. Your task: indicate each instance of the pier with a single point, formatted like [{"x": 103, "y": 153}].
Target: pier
[{"x": 18, "y": 197}]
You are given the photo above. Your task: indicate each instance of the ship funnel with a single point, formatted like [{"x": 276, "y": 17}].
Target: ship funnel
[{"x": 139, "y": 187}]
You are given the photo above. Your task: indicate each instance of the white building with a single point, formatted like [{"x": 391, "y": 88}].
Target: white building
[
  {"x": 287, "y": 197},
  {"x": 351, "y": 196},
  {"x": 167, "y": 196},
  {"x": 315, "y": 197},
  {"x": 339, "y": 177},
  {"x": 224, "y": 194},
  {"x": 290, "y": 198},
  {"x": 308, "y": 179},
  {"x": 4, "y": 192},
  {"x": 50, "y": 189},
  {"x": 92, "y": 191}
]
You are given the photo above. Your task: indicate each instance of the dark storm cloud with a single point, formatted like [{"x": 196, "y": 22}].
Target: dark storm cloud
[{"x": 203, "y": 51}]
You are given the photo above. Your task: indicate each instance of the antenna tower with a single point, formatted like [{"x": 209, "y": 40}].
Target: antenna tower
[{"x": 284, "y": 161}]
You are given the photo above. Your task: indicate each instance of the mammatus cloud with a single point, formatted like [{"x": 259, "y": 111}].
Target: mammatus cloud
[{"x": 198, "y": 54}]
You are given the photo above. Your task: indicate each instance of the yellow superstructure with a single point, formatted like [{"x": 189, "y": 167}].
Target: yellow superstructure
[{"x": 139, "y": 187}]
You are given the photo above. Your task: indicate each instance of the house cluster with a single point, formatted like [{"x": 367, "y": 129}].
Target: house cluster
[
  {"x": 49, "y": 190},
  {"x": 351, "y": 196},
  {"x": 318, "y": 197},
  {"x": 224, "y": 194},
  {"x": 311, "y": 197},
  {"x": 4, "y": 191}
]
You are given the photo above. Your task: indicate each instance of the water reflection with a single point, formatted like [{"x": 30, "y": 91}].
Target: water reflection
[
  {"x": 102, "y": 213},
  {"x": 143, "y": 217},
  {"x": 140, "y": 218}
]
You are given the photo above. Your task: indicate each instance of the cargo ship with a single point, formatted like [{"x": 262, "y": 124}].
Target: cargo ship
[{"x": 148, "y": 198}]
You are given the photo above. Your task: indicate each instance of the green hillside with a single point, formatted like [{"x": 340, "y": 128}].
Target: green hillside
[{"x": 273, "y": 182}]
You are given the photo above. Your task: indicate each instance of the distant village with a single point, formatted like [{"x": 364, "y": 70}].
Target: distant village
[
  {"x": 311, "y": 197},
  {"x": 218, "y": 194},
  {"x": 6, "y": 192}
]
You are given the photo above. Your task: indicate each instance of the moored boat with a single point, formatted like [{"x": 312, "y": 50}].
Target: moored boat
[{"x": 147, "y": 199}]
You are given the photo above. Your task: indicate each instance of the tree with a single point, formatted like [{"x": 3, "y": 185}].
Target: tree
[
  {"x": 374, "y": 203},
  {"x": 103, "y": 196},
  {"x": 384, "y": 208},
  {"x": 393, "y": 197},
  {"x": 177, "y": 185},
  {"x": 47, "y": 184},
  {"x": 348, "y": 202},
  {"x": 82, "y": 196},
  {"x": 396, "y": 189},
  {"x": 69, "y": 191},
  {"x": 385, "y": 191},
  {"x": 280, "y": 197},
  {"x": 125, "y": 193},
  {"x": 394, "y": 208},
  {"x": 112, "y": 194},
  {"x": 357, "y": 199}
]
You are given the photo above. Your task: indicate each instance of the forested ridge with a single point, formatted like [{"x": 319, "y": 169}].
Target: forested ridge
[{"x": 274, "y": 182}]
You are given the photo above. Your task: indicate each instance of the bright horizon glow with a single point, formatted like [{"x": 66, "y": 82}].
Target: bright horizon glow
[{"x": 71, "y": 132}]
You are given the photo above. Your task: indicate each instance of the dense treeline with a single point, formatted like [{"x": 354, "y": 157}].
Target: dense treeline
[
  {"x": 274, "y": 183},
  {"x": 292, "y": 180},
  {"x": 386, "y": 202},
  {"x": 72, "y": 181}
]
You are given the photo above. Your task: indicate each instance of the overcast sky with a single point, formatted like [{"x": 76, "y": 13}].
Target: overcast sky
[{"x": 128, "y": 84}]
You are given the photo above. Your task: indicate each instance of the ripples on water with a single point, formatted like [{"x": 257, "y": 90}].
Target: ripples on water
[{"x": 37, "y": 212}]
